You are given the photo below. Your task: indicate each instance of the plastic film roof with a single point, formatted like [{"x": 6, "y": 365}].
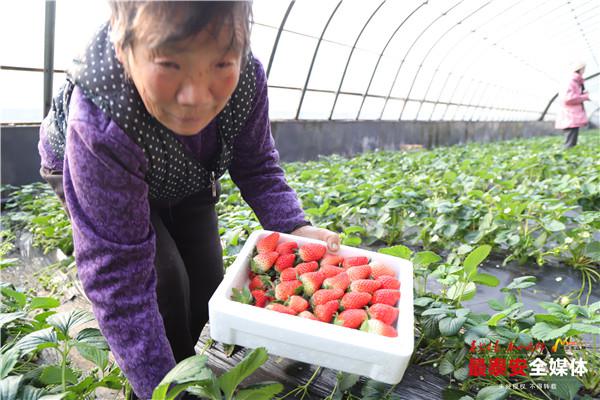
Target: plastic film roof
[{"x": 363, "y": 60}]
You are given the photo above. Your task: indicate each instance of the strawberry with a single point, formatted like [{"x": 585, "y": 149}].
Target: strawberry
[
  {"x": 331, "y": 259},
  {"x": 284, "y": 261},
  {"x": 280, "y": 308},
  {"x": 308, "y": 315},
  {"x": 378, "y": 269},
  {"x": 351, "y": 318},
  {"x": 264, "y": 261},
  {"x": 286, "y": 248},
  {"x": 324, "y": 312},
  {"x": 322, "y": 296},
  {"x": 354, "y": 300},
  {"x": 312, "y": 252},
  {"x": 384, "y": 313},
  {"x": 260, "y": 282},
  {"x": 330, "y": 270},
  {"x": 386, "y": 296},
  {"x": 286, "y": 289},
  {"x": 303, "y": 268},
  {"x": 311, "y": 282},
  {"x": 365, "y": 285},
  {"x": 297, "y": 303},
  {"x": 340, "y": 281},
  {"x": 359, "y": 272},
  {"x": 260, "y": 298},
  {"x": 268, "y": 243},
  {"x": 388, "y": 282},
  {"x": 355, "y": 261},
  {"x": 288, "y": 275},
  {"x": 378, "y": 327}
]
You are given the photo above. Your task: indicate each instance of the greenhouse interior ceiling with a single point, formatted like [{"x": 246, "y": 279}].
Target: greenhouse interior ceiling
[{"x": 461, "y": 60}]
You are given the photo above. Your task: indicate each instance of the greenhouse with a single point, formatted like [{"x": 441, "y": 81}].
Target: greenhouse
[{"x": 296, "y": 199}]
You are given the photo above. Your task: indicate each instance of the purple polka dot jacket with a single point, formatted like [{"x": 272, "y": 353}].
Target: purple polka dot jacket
[{"x": 104, "y": 178}]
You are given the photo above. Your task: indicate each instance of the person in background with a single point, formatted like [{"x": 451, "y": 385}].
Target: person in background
[
  {"x": 571, "y": 114},
  {"x": 165, "y": 100}
]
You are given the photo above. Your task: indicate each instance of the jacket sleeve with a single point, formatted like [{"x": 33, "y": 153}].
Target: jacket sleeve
[
  {"x": 115, "y": 244},
  {"x": 574, "y": 95},
  {"x": 255, "y": 168}
]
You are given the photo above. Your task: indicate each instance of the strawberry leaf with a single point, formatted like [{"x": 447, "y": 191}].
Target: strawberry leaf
[{"x": 242, "y": 296}]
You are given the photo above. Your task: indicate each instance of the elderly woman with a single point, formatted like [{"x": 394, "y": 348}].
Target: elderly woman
[
  {"x": 571, "y": 115},
  {"x": 165, "y": 100}
]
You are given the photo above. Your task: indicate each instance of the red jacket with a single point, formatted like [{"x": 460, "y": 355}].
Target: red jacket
[{"x": 571, "y": 113}]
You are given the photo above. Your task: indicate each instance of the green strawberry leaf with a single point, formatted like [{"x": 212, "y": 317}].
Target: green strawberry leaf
[
  {"x": 232, "y": 378},
  {"x": 242, "y": 296}
]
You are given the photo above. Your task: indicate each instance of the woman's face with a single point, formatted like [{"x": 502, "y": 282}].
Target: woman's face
[{"x": 185, "y": 85}]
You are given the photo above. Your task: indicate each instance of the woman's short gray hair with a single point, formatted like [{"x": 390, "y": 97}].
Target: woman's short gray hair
[{"x": 176, "y": 20}]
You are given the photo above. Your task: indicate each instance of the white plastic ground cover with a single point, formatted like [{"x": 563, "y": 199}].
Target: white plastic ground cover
[{"x": 378, "y": 357}]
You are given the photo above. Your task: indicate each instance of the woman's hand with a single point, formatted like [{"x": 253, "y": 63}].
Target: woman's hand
[{"x": 331, "y": 238}]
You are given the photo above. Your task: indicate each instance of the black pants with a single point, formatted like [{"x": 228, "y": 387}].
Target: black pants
[
  {"x": 189, "y": 267},
  {"x": 571, "y": 139}
]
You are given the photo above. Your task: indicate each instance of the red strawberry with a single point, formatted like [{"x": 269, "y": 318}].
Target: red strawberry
[
  {"x": 378, "y": 327},
  {"x": 365, "y": 285},
  {"x": 280, "y": 308},
  {"x": 324, "y": 312},
  {"x": 264, "y": 261},
  {"x": 288, "y": 275},
  {"x": 303, "y": 268},
  {"x": 351, "y": 318},
  {"x": 312, "y": 252},
  {"x": 297, "y": 303},
  {"x": 286, "y": 289},
  {"x": 354, "y": 300},
  {"x": 286, "y": 248},
  {"x": 311, "y": 282},
  {"x": 386, "y": 296},
  {"x": 340, "y": 281},
  {"x": 260, "y": 282},
  {"x": 359, "y": 272},
  {"x": 384, "y": 313},
  {"x": 268, "y": 243},
  {"x": 260, "y": 298},
  {"x": 388, "y": 282},
  {"x": 331, "y": 259},
  {"x": 308, "y": 315},
  {"x": 378, "y": 269},
  {"x": 284, "y": 261},
  {"x": 355, "y": 261},
  {"x": 331, "y": 270},
  {"x": 322, "y": 296}
]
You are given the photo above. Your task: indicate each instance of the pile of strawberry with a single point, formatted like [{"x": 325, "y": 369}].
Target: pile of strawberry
[{"x": 309, "y": 282}]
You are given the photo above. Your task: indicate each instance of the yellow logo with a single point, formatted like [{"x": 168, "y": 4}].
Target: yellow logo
[{"x": 563, "y": 342}]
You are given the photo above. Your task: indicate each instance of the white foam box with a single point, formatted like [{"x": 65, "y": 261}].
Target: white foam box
[{"x": 350, "y": 350}]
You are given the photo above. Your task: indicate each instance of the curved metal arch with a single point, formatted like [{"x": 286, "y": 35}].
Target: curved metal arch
[
  {"x": 381, "y": 55},
  {"x": 541, "y": 118},
  {"x": 431, "y": 49},
  {"x": 314, "y": 58},
  {"x": 450, "y": 51},
  {"x": 283, "y": 21},
  {"x": 471, "y": 64},
  {"x": 480, "y": 56},
  {"x": 408, "y": 51},
  {"x": 337, "y": 94},
  {"x": 585, "y": 37},
  {"x": 469, "y": 52}
]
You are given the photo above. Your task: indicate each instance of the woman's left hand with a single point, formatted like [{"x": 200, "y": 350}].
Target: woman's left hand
[{"x": 331, "y": 238}]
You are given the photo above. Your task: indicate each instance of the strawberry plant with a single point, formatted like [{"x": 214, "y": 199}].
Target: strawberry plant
[
  {"x": 29, "y": 325},
  {"x": 193, "y": 376}
]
